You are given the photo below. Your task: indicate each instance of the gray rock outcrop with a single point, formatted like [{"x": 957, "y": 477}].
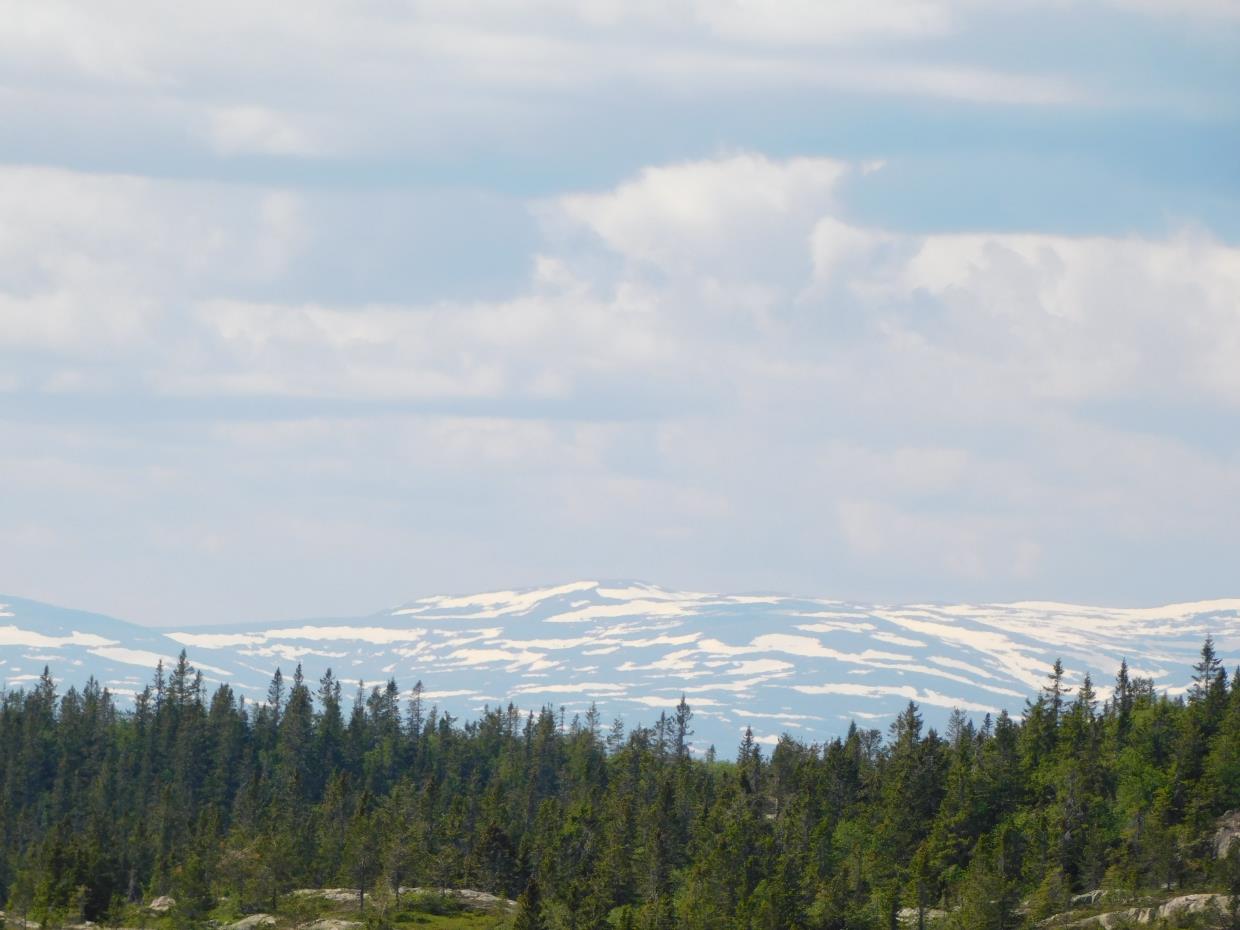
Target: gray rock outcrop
[
  {"x": 335, "y": 895},
  {"x": 1228, "y": 832},
  {"x": 1173, "y": 910},
  {"x": 253, "y": 922},
  {"x": 471, "y": 898},
  {"x": 1088, "y": 899}
]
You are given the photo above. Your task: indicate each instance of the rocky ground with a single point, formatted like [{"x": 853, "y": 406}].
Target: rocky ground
[
  {"x": 337, "y": 909},
  {"x": 1172, "y": 912}
]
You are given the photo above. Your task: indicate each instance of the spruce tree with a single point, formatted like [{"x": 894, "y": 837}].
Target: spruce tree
[{"x": 529, "y": 914}]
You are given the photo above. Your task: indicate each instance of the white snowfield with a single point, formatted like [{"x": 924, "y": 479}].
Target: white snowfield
[{"x": 777, "y": 663}]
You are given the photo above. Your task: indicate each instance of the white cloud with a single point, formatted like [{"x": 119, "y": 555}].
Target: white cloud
[
  {"x": 735, "y": 250},
  {"x": 702, "y": 214},
  {"x": 806, "y": 22},
  {"x": 248, "y": 130},
  {"x": 96, "y": 267},
  {"x": 1092, "y": 317},
  {"x": 711, "y": 358},
  {"x": 471, "y": 63}
]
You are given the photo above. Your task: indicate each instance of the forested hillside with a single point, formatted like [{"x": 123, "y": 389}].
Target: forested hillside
[{"x": 230, "y": 805}]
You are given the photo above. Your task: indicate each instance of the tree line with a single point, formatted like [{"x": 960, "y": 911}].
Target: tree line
[{"x": 996, "y": 822}]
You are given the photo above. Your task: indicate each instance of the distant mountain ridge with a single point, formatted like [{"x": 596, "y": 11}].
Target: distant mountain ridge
[{"x": 774, "y": 662}]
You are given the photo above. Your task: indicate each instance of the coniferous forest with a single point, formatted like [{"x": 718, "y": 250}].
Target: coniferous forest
[{"x": 228, "y": 806}]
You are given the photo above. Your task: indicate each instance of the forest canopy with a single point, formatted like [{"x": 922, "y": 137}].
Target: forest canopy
[{"x": 995, "y": 822}]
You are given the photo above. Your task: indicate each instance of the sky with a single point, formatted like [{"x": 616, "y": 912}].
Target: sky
[{"x": 310, "y": 308}]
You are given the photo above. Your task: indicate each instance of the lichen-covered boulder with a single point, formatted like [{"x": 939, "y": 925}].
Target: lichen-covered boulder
[
  {"x": 252, "y": 922},
  {"x": 1188, "y": 904},
  {"x": 162, "y": 905}
]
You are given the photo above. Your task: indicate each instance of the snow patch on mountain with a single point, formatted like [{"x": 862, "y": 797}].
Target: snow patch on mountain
[
  {"x": 770, "y": 661},
  {"x": 16, "y": 636}
]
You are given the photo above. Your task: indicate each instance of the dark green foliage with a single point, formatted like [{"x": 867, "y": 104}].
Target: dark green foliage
[
  {"x": 229, "y": 806},
  {"x": 530, "y": 909}
]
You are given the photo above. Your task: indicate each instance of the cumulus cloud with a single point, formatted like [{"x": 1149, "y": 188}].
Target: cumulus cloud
[
  {"x": 688, "y": 216},
  {"x": 103, "y": 268},
  {"x": 711, "y": 356}
]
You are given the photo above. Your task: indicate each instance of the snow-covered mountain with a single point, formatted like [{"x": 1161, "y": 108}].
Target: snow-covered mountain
[{"x": 776, "y": 663}]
